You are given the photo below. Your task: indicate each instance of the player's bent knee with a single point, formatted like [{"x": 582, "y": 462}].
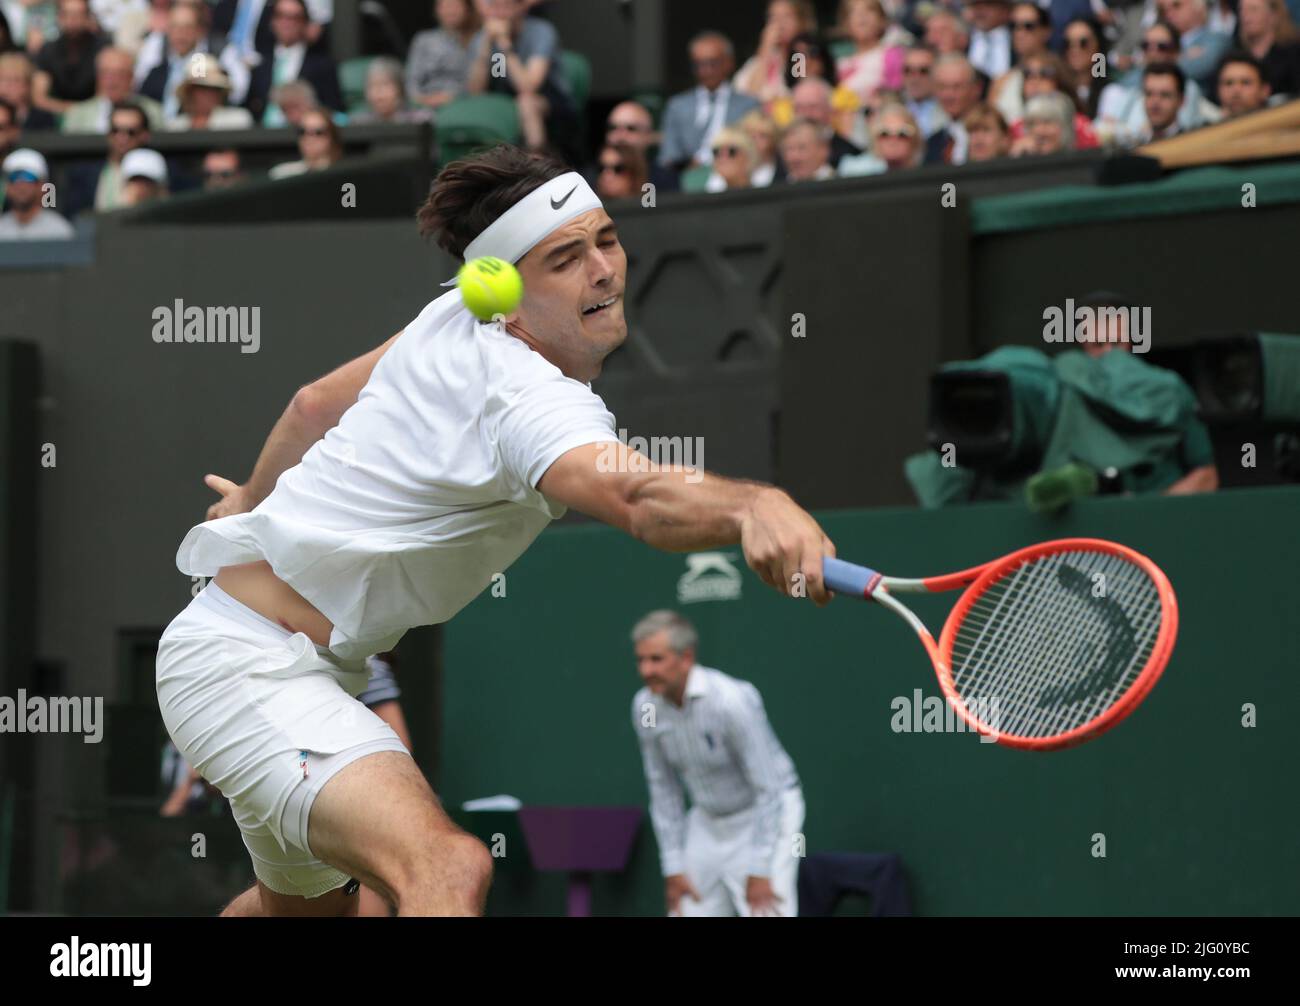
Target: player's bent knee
[{"x": 453, "y": 866}]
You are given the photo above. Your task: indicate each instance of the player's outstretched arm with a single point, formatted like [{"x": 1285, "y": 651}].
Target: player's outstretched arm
[
  {"x": 315, "y": 409},
  {"x": 682, "y": 510}
]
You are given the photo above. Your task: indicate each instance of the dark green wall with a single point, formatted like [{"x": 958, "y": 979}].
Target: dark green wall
[{"x": 1198, "y": 812}]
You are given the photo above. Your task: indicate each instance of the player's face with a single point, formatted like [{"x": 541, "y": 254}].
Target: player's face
[
  {"x": 661, "y": 667},
  {"x": 573, "y": 294}
]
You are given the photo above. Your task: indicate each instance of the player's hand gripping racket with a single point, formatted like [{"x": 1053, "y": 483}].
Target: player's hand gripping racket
[{"x": 1048, "y": 646}]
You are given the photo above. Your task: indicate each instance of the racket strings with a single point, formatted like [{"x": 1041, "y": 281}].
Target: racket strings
[{"x": 1055, "y": 642}]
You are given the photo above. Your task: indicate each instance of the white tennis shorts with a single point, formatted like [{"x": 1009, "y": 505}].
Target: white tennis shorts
[{"x": 267, "y": 717}]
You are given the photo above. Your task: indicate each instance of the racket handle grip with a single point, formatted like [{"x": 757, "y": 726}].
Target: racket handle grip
[{"x": 848, "y": 578}]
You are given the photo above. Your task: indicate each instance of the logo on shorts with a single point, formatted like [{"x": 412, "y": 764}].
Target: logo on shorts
[{"x": 709, "y": 576}]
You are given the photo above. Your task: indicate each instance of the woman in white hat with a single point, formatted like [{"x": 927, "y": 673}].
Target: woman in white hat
[{"x": 202, "y": 96}]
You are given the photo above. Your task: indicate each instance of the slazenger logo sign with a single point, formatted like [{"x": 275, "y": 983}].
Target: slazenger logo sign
[{"x": 709, "y": 576}]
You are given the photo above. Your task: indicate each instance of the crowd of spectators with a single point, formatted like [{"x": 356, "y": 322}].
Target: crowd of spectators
[{"x": 890, "y": 85}]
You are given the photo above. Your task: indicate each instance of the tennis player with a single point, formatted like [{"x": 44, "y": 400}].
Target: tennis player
[{"x": 387, "y": 496}]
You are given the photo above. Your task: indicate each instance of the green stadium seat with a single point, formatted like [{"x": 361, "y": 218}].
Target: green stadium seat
[
  {"x": 694, "y": 179},
  {"x": 841, "y": 47},
  {"x": 577, "y": 71},
  {"x": 473, "y": 121},
  {"x": 352, "y": 80}
]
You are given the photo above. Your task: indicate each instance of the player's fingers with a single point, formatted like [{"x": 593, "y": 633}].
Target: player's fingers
[{"x": 217, "y": 484}]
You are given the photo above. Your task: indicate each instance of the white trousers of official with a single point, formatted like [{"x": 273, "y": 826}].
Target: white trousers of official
[{"x": 717, "y": 860}]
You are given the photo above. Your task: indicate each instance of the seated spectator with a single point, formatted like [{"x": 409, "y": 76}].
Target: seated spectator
[
  {"x": 203, "y": 95},
  {"x": 896, "y": 144},
  {"x": 291, "y": 59},
  {"x": 437, "y": 66},
  {"x": 873, "y": 64},
  {"x": 16, "y": 73},
  {"x": 734, "y": 159},
  {"x": 764, "y": 75},
  {"x": 247, "y": 28},
  {"x": 958, "y": 89},
  {"x": 763, "y": 133},
  {"x": 6, "y": 36},
  {"x": 519, "y": 56},
  {"x": 1047, "y": 73},
  {"x": 294, "y": 99},
  {"x": 165, "y": 59},
  {"x": 320, "y": 145},
  {"x": 990, "y": 36},
  {"x": 1163, "y": 90},
  {"x": 1121, "y": 115},
  {"x": 693, "y": 118},
  {"x": 1062, "y": 12},
  {"x": 806, "y": 151},
  {"x": 27, "y": 219},
  {"x": 918, "y": 89},
  {"x": 65, "y": 67},
  {"x": 623, "y": 172},
  {"x": 1086, "y": 60},
  {"x": 1031, "y": 27},
  {"x": 386, "y": 95},
  {"x": 222, "y": 169},
  {"x": 946, "y": 33},
  {"x": 112, "y": 84},
  {"x": 631, "y": 123},
  {"x": 812, "y": 99},
  {"x": 988, "y": 133},
  {"x": 101, "y": 185},
  {"x": 1242, "y": 87},
  {"x": 109, "y": 14},
  {"x": 144, "y": 177},
  {"x": 8, "y": 137},
  {"x": 1048, "y": 125},
  {"x": 811, "y": 60},
  {"x": 1265, "y": 30},
  {"x": 1202, "y": 48}
]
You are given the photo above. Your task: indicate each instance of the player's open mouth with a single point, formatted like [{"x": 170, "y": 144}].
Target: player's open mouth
[{"x": 587, "y": 312}]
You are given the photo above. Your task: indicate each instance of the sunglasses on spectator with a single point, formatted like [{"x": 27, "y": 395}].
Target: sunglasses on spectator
[
  {"x": 618, "y": 169},
  {"x": 1158, "y": 46},
  {"x": 1041, "y": 73},
  {"x": 897, "y": 133},
  {"x": 1025, "y": 25},
  {"x": 126, "y": 130},
  {"x": 22, "y": 176},
  {"x": 726, "y": 151},
  {"x": 313, "y": 131},
  {"x": 1079, "y": 42},
  {"x": 225, "y": 174},
  {"x": 917, "y": 71}
]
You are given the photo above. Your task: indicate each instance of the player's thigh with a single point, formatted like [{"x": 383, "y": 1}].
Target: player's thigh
[
  {"x": 337, "y": 903},
  {"x": 377, "y": 819}
]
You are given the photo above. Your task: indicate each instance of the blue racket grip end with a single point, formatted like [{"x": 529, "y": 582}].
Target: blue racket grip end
[{"x": 849, "y": 578}]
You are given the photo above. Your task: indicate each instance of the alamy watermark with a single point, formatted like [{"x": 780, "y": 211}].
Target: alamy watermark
[
  {"x": 178, "y": 323},
  {"x": 36, "y": 714},
  {"x": 671, "y": 453},
  {"x": 1087, "y": 323}
]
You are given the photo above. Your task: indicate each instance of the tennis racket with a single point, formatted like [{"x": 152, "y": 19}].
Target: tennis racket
[{"x": 1047, "y": 647}]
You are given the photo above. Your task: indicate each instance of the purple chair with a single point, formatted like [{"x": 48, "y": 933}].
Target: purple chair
[{"x": 580, "y": 841}]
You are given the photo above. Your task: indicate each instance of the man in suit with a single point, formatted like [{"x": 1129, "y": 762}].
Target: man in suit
[
  {"x": 292, "y": 59},
  {"x": 957, "y": 86},
  {"x": 693, "y": 118},
  {"x": 184, "y": 35}
]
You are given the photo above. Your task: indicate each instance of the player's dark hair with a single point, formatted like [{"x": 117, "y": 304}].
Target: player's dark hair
[{"x": 469, "y": 194}]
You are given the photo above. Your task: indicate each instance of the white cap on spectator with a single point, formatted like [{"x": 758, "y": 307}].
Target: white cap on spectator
[
  {"x": 143, "y": 163},
  {"x": 26, "y": 159}
]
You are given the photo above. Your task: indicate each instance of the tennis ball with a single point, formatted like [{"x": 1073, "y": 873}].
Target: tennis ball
[{"x": 489, "y": 286}]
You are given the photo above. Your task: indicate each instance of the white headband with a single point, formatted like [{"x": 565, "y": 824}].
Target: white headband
[{"x": 513, "y": 234}]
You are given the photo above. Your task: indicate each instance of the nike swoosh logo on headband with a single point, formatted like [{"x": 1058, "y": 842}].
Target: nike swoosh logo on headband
[{"x": 555, "y": 205}]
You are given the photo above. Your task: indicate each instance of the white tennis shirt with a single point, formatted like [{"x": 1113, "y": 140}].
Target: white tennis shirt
[{"x": 425, "y": 489}]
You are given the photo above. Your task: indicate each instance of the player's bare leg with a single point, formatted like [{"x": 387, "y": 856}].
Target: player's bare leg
[
  {"x": 378, "y": 820},
  {"x": 260, "y": 900}
]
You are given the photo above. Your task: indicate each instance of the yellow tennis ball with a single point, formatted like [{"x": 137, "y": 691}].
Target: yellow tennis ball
[{"x": 489, "y": 286}]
